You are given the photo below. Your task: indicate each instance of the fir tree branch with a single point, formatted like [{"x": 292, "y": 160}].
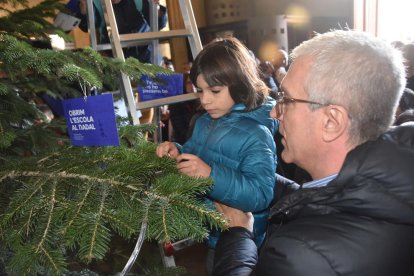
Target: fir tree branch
[
  {"x": 164, "y": 223},
  {"x": 9, "y": 216},
  {"x": 50, "y": 259},
  {"x": 63, "y": 174},
  {"x": 74, "y": 199},
  {"x": 117, "y": 221},
  {"x": 28, "y": 222},
  {"x": 95, "y": 200},
  {"x": 87, "y": 178},
  {"x": 91, "y": 254},
  {"x": 49, "y": 217},
  {"x": 77, "y": 211}
]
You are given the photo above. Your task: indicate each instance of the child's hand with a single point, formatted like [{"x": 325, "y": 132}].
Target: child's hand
[
  {"x": 167, "y": 149},
  {"x": 192, "y": 165}
]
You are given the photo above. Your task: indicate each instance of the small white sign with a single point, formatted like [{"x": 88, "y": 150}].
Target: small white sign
[{"x": 66, "y": 22}]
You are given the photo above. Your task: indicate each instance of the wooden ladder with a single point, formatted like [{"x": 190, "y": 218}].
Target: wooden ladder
[{"x": 120, "y": 41}]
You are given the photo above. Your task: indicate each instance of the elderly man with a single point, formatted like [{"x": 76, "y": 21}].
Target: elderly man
[{"x": 357, "y": 216}]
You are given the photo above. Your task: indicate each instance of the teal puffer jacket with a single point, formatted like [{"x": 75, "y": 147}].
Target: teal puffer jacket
[{"x": 241, "y": 152}]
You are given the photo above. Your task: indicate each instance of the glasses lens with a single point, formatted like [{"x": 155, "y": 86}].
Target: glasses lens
[{"x": 279, "y": 96}]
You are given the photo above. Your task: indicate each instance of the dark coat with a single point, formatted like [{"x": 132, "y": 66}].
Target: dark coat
[{"x": 362, "y": 223}]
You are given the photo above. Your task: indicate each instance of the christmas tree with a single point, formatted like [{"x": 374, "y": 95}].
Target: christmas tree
[{"x": 59, "y": 202}]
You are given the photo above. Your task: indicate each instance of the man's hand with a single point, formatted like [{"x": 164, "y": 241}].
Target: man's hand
[{"x": 236, "y": 217}]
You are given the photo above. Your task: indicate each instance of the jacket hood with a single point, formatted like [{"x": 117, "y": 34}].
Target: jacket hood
[
  {"x": 376, "y": 181},
  {"x": 260, "y": 114}
]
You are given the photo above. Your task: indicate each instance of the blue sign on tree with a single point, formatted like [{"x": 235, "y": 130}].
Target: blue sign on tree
[
  {"x": 169, "y": 85},
  {"x": 91, "y": 121}
]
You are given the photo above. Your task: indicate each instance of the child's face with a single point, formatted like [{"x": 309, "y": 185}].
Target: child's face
[{"x": 215, "y": 100}]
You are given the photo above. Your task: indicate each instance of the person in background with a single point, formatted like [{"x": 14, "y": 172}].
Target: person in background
[
  {"x": 405, "y": 107},
  {"x": 232, "y": 143},
  {"x": 266, "y": 73},
  {"x": 187, "y": 66},
  {"x": 408, "y": 53},
  {"x": 165, "y": 122},
  {"x": 405, "y": 117},
  {"x": 357, "y": 216},
  {"x": 132, "y": 16},
  {"x": 280, "y": 64},
  {"x": 167, "y": 63},
  {"x": 406, "y": 101},
  {"x": 397, "y": 44},
  {"x": 182, "y": 113}
]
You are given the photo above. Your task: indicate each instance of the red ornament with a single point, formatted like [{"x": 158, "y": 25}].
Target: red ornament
[{"x": 168, "y": 249}]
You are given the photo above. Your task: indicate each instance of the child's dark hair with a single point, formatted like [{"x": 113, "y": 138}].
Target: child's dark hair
[{"x": 227, "y": 62}]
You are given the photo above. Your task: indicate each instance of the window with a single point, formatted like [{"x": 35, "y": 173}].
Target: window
[{"x": 391, "y": 20}]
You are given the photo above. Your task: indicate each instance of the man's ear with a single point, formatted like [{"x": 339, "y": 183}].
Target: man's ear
[{"x": 335, "y": 122}]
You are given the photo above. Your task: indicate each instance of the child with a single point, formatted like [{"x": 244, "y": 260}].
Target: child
[{"x": 233, "y": 141}]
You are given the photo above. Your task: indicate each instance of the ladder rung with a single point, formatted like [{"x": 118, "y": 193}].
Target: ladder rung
[
  {"x": 139, "y": 39},
  {"x": 119, "y": 41},
  {"x": 154, "y": 35},
  {"x": 101, "y": 47},
  {"x": 166, "y": 101},
  {"x": 108, "y": 46}
]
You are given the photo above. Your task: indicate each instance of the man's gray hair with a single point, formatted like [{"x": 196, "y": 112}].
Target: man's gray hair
[{"x": 355, "y": 70}]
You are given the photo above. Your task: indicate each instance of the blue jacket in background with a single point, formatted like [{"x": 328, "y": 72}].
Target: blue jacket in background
[{"x": 241, "y": 152}]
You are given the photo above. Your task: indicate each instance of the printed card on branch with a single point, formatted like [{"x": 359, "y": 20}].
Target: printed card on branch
[
  {"x": 91, "y": 121},
  {"x": 170, "y": 85}
]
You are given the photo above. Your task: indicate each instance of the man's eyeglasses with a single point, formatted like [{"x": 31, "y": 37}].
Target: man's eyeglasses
[{"x": 282, "y": 100}]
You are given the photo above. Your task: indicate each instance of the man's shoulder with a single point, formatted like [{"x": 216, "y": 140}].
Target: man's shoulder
[{"x": 335, "y": 244}]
